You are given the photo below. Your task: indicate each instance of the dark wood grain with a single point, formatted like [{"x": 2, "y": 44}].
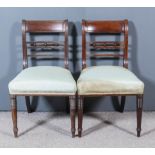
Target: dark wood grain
[
  {"x": 45, "y": 26},
  {"x": 104, "y": 26}
]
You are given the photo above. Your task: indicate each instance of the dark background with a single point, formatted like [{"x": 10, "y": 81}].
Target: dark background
[{"x": 141, "y": 51}]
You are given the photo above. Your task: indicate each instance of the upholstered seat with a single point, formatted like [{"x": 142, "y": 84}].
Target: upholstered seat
[
  {"x": 108, "y": 80},
  {"x": 43, "y": 80}
]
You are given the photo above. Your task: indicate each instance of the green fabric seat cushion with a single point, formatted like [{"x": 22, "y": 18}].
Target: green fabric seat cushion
[
  {"x": 42, "y": 80},
  {"x": 108, "y": 80}
]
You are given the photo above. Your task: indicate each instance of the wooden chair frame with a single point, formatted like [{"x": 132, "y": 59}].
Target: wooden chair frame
[
  {"x": 50, "y": 26},
  {"x": 108, "y": 27}
]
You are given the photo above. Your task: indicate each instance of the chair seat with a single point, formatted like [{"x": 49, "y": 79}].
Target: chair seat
[
  {"x": 43, "y": 80},
  {"x": 108, "y": 80}
]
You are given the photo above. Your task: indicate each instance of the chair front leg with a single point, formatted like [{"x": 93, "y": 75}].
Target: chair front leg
[
  {"x": 139, "y": 113},
  {"x": 72, "y": 100},
  {"x": 80, "y": 115},
  {"x": 28, "y": 105},
  {"x": 14, "y": 114}
]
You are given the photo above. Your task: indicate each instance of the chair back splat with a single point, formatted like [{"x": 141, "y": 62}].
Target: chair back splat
[
  {"x": 106, "y": 27},
  {"x": 44, "y": 27}
]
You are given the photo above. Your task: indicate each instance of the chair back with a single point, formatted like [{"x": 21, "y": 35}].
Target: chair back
[
  {"x": 105, "y": 28},
  {"x": 44, "y": 27}
]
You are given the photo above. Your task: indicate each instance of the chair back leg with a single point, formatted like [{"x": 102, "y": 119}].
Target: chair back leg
[
  {"x": 123, "y": 99},
  {"x": 28, "y": 105}
]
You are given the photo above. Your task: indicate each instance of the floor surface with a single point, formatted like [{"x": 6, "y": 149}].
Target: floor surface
[{"x": 106, "y": 129}]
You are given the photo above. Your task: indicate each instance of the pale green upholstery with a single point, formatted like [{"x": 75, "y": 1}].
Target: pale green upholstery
[
  {"x": 43, "y": 80},
  {"x": 108, "y": 80}
]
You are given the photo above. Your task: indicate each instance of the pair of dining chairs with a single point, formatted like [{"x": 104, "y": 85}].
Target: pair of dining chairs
[{"x": 58, "y": 81}]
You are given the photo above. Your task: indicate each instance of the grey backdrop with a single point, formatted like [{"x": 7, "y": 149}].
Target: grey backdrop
[{"x": 141, "y": 49}]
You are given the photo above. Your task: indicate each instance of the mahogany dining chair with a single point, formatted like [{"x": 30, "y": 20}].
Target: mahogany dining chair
[
  {"x": 107, "y": 80},
  {"x": 43, "y": 80}
]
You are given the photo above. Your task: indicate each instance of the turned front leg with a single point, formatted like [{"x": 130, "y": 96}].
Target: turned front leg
[
  {"x": 80, "y": 115},
  {"x": 139, "y": 113},
  {"x": 14, "y": 114},
  {"x": 72, "y": 113}
]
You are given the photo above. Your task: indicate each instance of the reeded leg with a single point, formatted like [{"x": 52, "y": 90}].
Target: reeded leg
[
  {"x": 139, "y": 113},
  {"x": 14, "y": 114},
  {"x": 123, "y": 98},
  {"x": 80, "y": 115},
  {"x": 28, "y": 105},
  {"x": 72, "y": 100}
]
